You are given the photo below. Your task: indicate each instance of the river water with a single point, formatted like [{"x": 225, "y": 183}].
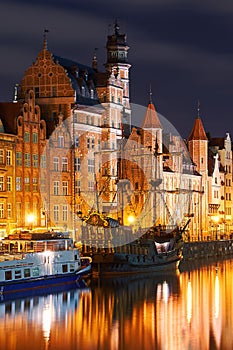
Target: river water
[{"x": 192, "y": 310}]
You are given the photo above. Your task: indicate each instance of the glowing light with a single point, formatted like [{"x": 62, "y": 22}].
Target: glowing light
[
  {"x": 131, "y": 219},
  {"x": 216, "y": 219},
  {"x": 30, "y": 218}
]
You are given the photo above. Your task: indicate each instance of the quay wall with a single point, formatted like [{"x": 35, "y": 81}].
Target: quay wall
[{"x": 207, "y": 249}]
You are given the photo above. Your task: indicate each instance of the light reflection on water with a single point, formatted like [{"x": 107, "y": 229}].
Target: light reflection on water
[{"x": 191, "y": 310}]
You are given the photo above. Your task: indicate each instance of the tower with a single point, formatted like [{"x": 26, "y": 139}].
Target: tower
[
  {"x": 198, "y": 149},
  {"x": 118, "y": 66}
]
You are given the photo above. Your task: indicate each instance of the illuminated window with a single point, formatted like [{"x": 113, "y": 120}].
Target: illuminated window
[
  {"x": 60, "y": 141},
  {"x": 64, "y": 164},
  {"x": 27, "y": 272},
  {"x": 55, "y": 163},
  {"x": 76, "y": 141},
  {"x": 43, "y": 185},
  {"x": 77, "y": 164},
  {"x": 34, "y": 137},
  {"x": 18, "y": 274},
  {"x": 18, "y": 184},
  {"x": 8, "y": 157},
  {"x": 9, "y": 183},
  {"x": 1, "y": 210},
  {"x": 56, "y": 212},
  {"x": 64, "y": 213},
  {"x": 77, "y": 186},
  {"x": 91, "y": 165},
  {"x": 43, "y": 161},
  {"x": 9, "y": 211},
  {"x": 56, "y": 188},
  {"x": 1, "y": 156},
  {"x": 35, "y": 184},
  {"x": 26, "y": 136},
  {"x": 65, "y": 188},
  {"x": 27, "y": 161},
  {"x": 1, "y": 183},
  {"x": 19, "y": 158},
  {"x": 35, "y": 160},
  {"x": 27, "y": 184}
]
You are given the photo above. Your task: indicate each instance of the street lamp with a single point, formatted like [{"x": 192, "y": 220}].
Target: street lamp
[{"x": 30, "y": 220}]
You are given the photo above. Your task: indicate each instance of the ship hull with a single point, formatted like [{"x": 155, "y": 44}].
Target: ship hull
[
  {"x": 40, "y": 283},
  {"x": 116, "y": 264}
]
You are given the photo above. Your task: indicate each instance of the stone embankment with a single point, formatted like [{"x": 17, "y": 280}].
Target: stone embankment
[{"x": 207, "y": 249}]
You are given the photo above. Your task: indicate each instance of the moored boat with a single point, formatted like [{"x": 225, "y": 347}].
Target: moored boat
[{"x": 34, "y": 261}]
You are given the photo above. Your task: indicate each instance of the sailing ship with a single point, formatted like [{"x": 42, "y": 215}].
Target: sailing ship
[
  {"x": 152, "y": 239},
  {"x": 35, "y": 261}
]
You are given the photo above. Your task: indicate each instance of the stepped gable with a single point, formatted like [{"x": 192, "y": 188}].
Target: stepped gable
[
  {"x": 198, "y": 131},
  {"x": 47, "y": 78},
  {"x": 151, "y": 119}
]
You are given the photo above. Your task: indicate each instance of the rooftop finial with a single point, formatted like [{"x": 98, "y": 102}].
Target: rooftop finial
[
  {"x": 94, "y": 60},
  {"x": 198, "y": 108},
  {"x": 150, "y": 94},
  {"x": 45, "y": 38},
  {"x": 116, "y": 27}
]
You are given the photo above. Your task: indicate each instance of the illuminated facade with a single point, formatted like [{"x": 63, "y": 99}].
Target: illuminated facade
[{"x": 64, "y": 134}]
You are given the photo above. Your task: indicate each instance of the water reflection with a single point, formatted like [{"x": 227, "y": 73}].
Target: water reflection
[{"x": 190, "y": 310}]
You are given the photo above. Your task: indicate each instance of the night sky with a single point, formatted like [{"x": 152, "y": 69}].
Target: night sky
[{"x": 183, "y": 48}]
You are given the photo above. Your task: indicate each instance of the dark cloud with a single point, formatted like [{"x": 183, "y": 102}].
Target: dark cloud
[{"x": 182, "y": 47}]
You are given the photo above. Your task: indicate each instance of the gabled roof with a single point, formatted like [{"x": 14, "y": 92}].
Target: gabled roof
[
  {"x": 198, "y": 131},
  {"x": 151, "y": 119}
]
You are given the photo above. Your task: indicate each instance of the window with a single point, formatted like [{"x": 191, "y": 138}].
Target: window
[
  {"x": 112, "y": 98},
  {"x": 91, "y": 165},
  {"x": 77, "y": 164},
  {"x": 56, "y": 212},
  {"x": 27, "y": 272},
  {"x": 1, "y": 210},
  {"x": 8, "y": 157},
  {"x": 9, "y": 210},
  {"x": 35, "y": 184},
  {"x": 35, "y": 160},
  {"x": 8, "y": 275},
  {"x": 77, "y": 186},
  {"x": 27, "y": 161},
  {"x": 64, "y": 164},
  {"x": 64, "y": 268},
  {"x": 17, "y": 274},
  {"x": 65, "y": 188},
  {"x": 43, "y": 185},
  {"x": 34, "y": 137},
  {"x": 27, "y": 184},
  {"x": 92, "y": 93},
  {"x": 91, "y": 186},
  {"x": 64, "y": 213},
  {"x": 83, "y": 91},
  {"x": 1, "y": 156},
  {"x": 55, "y": 163},
  {"x": 26, "y": 136},
  {"x": 19, "y": 158},
  {"x": 93, "y": 143},
  {"x": 76, "y": 141},
  {"x": 88, "y": 143},
  {"x": 1, "y": 183},
  {"x": 216, "y": 180},
  {"x": 18, "y": 184},
  {"x": 9, "y": 183},
  {"x": 35, "y": 271},
  {"x": 54, "y": 91},
  {"x": 43, "y": 161},
  {"x": 60, "y": 141},
  {"x": 56, "y": 188}
]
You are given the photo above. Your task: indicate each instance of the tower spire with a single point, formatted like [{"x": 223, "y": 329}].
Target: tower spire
[
  {"x": 94, "y": 59},
  {"x": 45, "y": 39},
  {"x": 116, "y": 27}
]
